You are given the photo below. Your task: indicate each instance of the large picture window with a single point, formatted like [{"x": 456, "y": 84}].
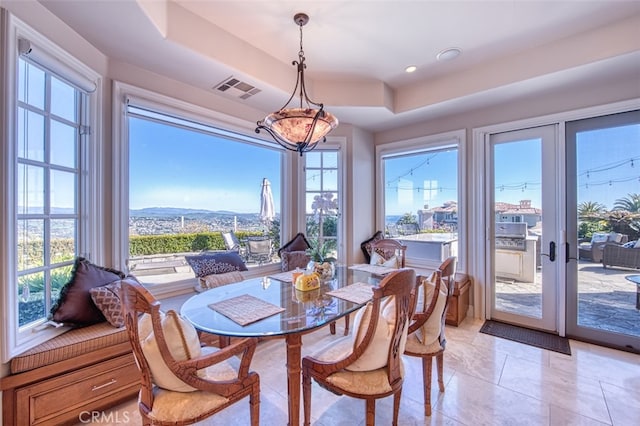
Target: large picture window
[
  {"x": 420, "y": 185},
  {"x": 190, "y": 183}
]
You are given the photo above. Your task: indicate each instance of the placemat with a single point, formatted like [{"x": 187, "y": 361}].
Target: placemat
[
  {"x": 374, "y": 269},
  {"x": 357, "y": 293},
  {"x": 245, "y": 309},
  {"x": 286, "y": 276}
]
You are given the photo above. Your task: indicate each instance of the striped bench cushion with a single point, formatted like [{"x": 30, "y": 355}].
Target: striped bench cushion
[{"x": 74, "y": 342}]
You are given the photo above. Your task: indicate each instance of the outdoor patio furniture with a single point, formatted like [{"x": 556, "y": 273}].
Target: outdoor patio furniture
[
  {"x": 593, "y": 250},
  {"x": 232, "y": 243},
  {"x": 617, "y": 255},
  {"x": 259, "y": 250}
]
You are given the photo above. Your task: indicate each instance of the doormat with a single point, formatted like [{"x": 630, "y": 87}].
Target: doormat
[{"x": 535, "y": 338}]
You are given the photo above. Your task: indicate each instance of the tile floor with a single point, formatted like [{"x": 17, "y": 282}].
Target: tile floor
[{"x": 488, "y": 380}]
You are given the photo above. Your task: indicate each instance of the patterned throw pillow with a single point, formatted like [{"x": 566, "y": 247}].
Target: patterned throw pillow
[
  {"x": 379, "y": 260},
  {"x": 74, "y": 306},
  {"x": 217, "y": 280},
  {"x": 216, "y": 263},
  {"x": 107, "y": 299},
  {"x": 365, "y": 246}
]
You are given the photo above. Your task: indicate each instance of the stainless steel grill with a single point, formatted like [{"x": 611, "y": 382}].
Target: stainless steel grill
[{"x": 511, "y": 236}]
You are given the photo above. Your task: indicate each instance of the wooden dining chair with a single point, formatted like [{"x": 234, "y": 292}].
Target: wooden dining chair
[
  {"x": 389, "y": 252},
  {"x": 427, "y": 328},
  {"x": 182, "y": 383},
  {"x": 384, "y": 252},
  {"x": 368, "y": 363}
]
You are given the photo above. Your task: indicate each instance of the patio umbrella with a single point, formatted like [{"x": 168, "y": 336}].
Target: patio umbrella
[{"x": 267, "y": 210}]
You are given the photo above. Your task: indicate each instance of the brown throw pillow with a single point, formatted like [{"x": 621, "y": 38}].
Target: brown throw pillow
[
  {"x": 74, "y": 306},
  {"x": 294, "y": 259},
  {"x": 297, "y": 243}
]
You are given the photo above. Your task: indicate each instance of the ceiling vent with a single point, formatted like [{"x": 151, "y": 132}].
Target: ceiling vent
[{"x": 236, "y": 88}]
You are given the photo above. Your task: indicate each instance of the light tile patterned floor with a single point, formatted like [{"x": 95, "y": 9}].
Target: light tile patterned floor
[{"x": 489, "y": 381}]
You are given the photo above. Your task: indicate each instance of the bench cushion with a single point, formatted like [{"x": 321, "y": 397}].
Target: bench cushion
[{"x": 68, "y": 345}]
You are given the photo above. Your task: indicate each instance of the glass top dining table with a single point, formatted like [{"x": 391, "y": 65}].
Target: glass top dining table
[{"x": 303, "y": 312}]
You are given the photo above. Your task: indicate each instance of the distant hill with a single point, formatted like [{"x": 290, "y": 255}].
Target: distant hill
[{"x": 176, "y": 212}]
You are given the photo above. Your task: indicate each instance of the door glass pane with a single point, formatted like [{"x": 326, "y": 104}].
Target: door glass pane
[
  {"x": 518, "y": 227},
  {"x": 608, "y": 209}
]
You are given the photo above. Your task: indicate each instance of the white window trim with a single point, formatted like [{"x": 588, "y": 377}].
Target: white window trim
[
  {"x": 13, "y": 341},
  {"x": 122, "y": 94},
  {"x": 420, "y": 144},
  {"x": 333, "y": 143}
]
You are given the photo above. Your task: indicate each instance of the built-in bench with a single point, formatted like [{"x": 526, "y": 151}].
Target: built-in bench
[{"x": 82, "y": 370}]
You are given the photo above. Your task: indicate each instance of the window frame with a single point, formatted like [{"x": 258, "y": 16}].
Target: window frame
[
  {"x": 457, "y": 139},
  {"x": 333, "y": 144},
  {"x": 123, "y": 94},
  {"x": 60, "y": 63}
]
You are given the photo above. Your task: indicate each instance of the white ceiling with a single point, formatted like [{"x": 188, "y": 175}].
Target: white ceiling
[{"x": 356, "y": 51}]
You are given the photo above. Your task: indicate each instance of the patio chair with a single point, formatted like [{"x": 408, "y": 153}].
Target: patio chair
[
  {"x": 259, "y": 250},
  {"x": 232, "y": 243},
  {"x": 182, "y": 383},
  {"x": 593, "y": 250},
  {"x": 368, "y": 363}
]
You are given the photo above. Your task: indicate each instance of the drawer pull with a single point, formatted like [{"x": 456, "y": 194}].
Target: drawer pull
[{"x": 104, "y": 385}]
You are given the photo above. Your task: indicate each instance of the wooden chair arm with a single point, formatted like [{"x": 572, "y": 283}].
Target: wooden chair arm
[{"x": 187, "y": 370}]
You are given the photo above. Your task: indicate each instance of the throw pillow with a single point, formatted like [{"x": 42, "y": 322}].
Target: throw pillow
[
  {"x": 107, "y": 299},
  {"x": 217, "y": 280},
  {"x": 377, "y": 259},
  {"x": 291, "y": 260},
  {"x": 74, "y": 306},
  {"x": 376, "y": 354},
  {"x": 182, "y": 340},
  {"x": 297, "y": 243},
  {"x": 430, "y": 330},
  {"x": 599, "y": 237},
  {"x": 365, "y": 246},
  {"x": 216, "y": 263}
]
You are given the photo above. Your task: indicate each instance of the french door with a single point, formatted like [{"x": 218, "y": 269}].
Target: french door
[
  {"x": 523, "y": 262},
  {"x": 603, "y": 181}
]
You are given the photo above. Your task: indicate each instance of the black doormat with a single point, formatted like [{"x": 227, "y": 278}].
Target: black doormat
[{"x": 535, "y": 338}]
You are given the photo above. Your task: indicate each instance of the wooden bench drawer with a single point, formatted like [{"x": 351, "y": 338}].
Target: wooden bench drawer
[{"x": 59, "y": 400}]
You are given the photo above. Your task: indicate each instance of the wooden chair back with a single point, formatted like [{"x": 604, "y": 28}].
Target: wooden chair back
[{"x": 388, "y": 248}]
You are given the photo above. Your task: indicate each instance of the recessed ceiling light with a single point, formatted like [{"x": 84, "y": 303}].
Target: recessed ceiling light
[
  {"x": 449, "y": 54},
  {"x": 411, "y": 68}
]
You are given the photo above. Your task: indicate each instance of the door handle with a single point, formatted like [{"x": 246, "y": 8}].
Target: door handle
[{"x": 552, "y": 252}]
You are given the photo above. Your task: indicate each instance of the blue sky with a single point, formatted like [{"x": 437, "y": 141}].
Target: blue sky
[{"x": 174, "y": 167}]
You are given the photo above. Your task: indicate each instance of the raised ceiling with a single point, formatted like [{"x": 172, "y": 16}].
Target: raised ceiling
[{"x": 357, "y": 50}]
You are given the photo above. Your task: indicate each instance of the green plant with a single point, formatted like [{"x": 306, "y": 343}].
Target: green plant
[{"x": 320, "y": 252}]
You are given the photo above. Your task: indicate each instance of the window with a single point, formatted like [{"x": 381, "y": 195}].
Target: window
[
  {"x": 47, "y": 158},
  {"x": 322, "y": 200},
  {"x": 421, "y": 193},
  {"x": 188, "y": 182}
]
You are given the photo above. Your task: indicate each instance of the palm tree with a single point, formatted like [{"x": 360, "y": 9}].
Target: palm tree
[
  {"x": 631, "y": 203},
  {"x": 590, "y": 210}
]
